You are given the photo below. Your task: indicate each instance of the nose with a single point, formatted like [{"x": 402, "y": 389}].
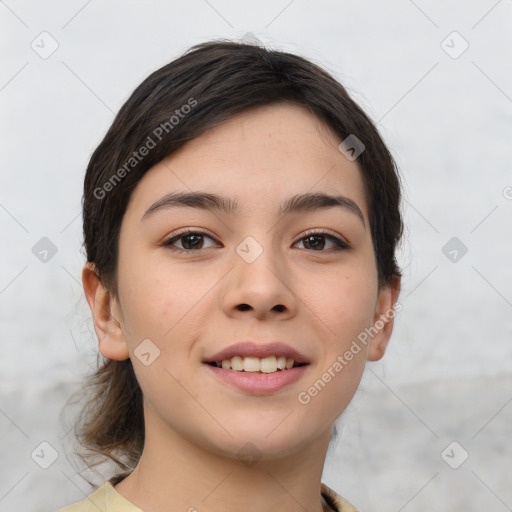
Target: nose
[{"x": 261, "y": 288}]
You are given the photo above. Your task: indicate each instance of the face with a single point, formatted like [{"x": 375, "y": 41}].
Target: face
[{"x": 265, "y": 264}]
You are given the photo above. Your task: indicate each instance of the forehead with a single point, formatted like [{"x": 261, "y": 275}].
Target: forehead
[{"x": 259, "y": 156}]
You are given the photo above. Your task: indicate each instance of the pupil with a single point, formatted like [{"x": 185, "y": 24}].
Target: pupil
[
  {"x": 312, "y": 237},
  {"x": 193, "y": 244}
]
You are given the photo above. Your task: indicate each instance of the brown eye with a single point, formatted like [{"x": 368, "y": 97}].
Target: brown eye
[
  {"x": 314, "y": 242},
  {"x": 189, "y": 241},
  {"x": 318, "y": 241}
]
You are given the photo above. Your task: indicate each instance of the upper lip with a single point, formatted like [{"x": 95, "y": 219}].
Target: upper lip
[{"x": 255, "y": 349}]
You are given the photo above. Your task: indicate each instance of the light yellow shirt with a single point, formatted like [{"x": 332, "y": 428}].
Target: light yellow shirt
[{"x": 107, "y": 499}]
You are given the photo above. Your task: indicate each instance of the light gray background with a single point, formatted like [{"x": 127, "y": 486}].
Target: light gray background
[{"x": 448, "y": 373}]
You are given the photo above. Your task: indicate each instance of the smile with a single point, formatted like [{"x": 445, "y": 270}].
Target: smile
[
  {"x": 254, "y": 381},
  {"x": 270, "y": 364}
]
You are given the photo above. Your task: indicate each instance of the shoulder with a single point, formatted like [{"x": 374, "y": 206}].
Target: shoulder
[
  {"x": 104, "y": 499},
  {"x": 107, "y": 499},
  {"x": 95, "y": 501},
  {"x": 335, "y": 501}
]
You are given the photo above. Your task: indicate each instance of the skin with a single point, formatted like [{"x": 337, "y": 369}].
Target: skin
[{"x": 188, "y": 305}]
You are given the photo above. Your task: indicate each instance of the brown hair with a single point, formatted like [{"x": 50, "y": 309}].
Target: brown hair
[{"x": 207, "y": 85}]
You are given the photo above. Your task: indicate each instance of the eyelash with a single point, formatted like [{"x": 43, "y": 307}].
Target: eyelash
[{"x": 341, "y": 245}]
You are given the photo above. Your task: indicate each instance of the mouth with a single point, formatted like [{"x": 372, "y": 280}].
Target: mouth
[
  {"x": 258, "y": 368},
  {"x": 270, "y": 364},
  {"x": 251, "y": 356},
  {"x": 255, "y": 376}
]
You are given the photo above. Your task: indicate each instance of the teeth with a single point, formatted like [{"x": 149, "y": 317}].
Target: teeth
[
  {"x": 255, "y": 364},
  {"x": 252, "y": 364},
  {"x": 268, "y": 364},
  {"x": 236, "y": 363}
]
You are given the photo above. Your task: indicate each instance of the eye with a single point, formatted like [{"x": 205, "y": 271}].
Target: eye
[
  {"x": 317, "y": 241},
  {"x": 189, "y": 241}
]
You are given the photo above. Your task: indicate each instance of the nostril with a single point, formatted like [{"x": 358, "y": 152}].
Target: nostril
[
  {"x": 279, "y": 308},
  {"x": 244, "y": 307}
]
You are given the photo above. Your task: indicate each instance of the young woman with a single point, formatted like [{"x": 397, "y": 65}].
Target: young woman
[{"x": 240, "y": 218}]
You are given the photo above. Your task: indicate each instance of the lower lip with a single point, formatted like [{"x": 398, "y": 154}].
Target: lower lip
[{"x": 259, "y": 383}]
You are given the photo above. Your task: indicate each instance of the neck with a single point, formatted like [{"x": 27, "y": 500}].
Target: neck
[{"x": 175, "y": 474}]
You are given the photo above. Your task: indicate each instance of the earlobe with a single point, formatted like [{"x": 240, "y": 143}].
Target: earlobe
[
  {"x": 112, "y": 343},
  {"x": 382, "y": 326}
]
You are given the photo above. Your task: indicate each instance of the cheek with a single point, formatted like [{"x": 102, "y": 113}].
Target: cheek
[
  {"x": 157, "y": 296},
  {"x": 345, "y": 301},
  {"x": 344, "y": 304},
  {"x": 345, "y": 313}
]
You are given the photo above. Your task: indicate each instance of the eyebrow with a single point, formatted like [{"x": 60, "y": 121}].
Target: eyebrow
[{"x": 299, "y": 203}]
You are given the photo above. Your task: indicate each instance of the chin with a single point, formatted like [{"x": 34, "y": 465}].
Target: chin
[{"x": 262, "y": 443}]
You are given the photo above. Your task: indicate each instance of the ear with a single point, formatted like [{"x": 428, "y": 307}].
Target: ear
[
  {"x": 111, "y": 341},
  {"x": 383, "y": 319}
]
